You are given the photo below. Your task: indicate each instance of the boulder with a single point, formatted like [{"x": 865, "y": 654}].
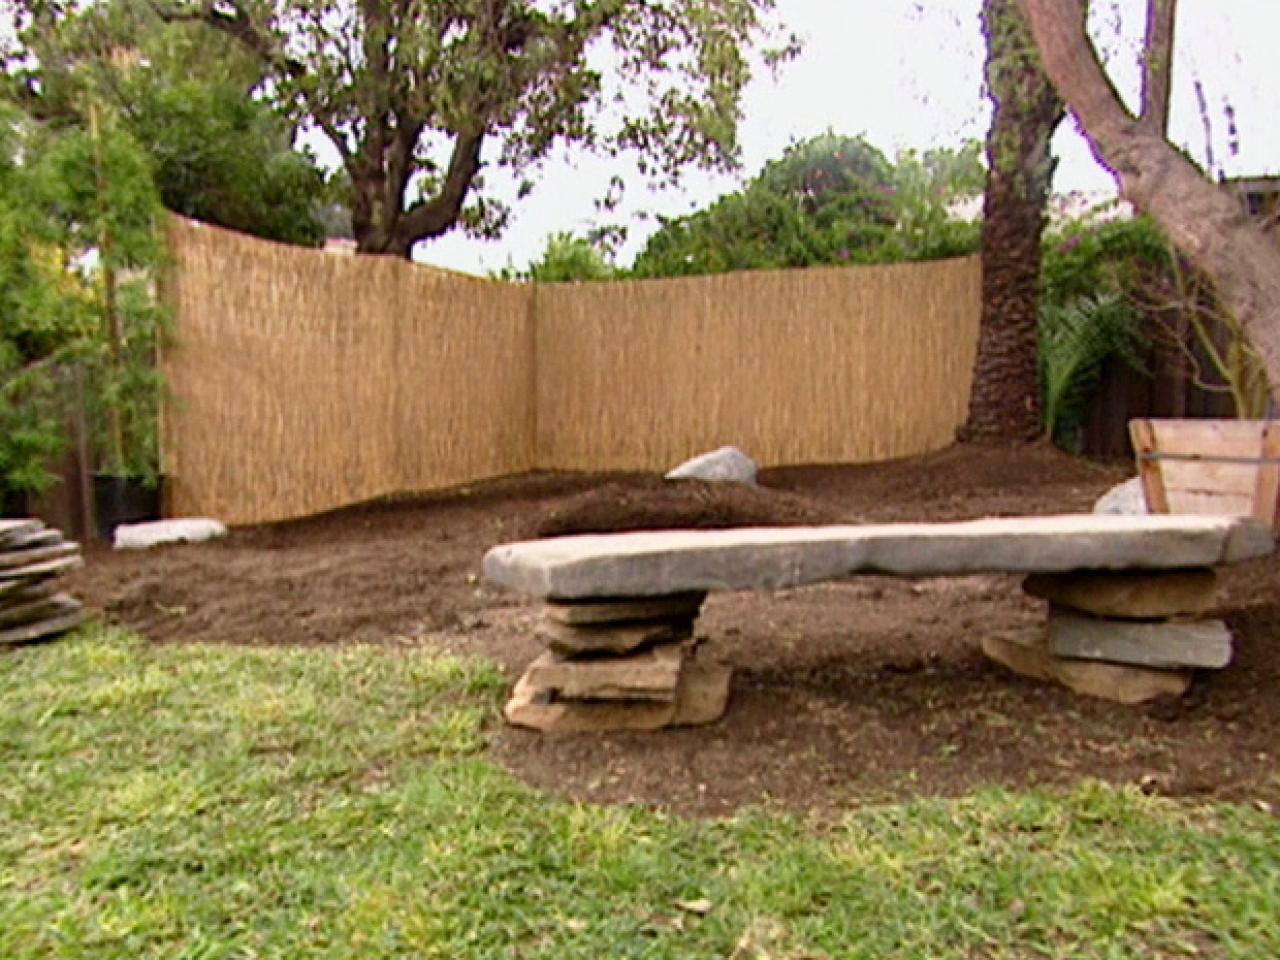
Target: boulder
[
  {"x": 140, "y": 536},
  {"x": 726, "y": 463},
  {"x": 1124, "y": 498}
]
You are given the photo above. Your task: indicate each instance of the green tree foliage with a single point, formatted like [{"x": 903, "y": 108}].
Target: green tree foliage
[
  {"x": 217, "y": 152},
  {"x": 79, "y": 247},
  {"x": 417, "y": 98},
  {"x": 567, "y": 258},
  {"x": 828, "y": 200}
]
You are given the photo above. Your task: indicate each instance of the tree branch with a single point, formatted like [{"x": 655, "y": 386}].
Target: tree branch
[
  {"x": 434, "y": 217},
  {"x": 1157, "y": 65},
  {"x": 1206, "y": 223}
]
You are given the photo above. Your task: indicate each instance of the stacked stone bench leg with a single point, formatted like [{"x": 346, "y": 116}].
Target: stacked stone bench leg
[
  {"x": 32, "y": 557},
  {"x": 619, "y": 664},
  {"x": 1128, "y": 636}
]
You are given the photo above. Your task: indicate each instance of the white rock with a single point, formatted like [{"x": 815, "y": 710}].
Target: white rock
[
  {"x": 726, "y": 463},
  {"x": 1124, "y": 498},
  {"x": 140, "y": 536}
]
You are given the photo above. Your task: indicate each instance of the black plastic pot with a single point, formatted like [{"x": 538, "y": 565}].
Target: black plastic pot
[
  {"x": 13, "y": 503},
  {"x": 118, "y": 500}
]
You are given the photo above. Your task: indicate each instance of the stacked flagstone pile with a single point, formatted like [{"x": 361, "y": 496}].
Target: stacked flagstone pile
[
  {"x": 32, "y": 557},
  {"x": 1129, "y": 636},
  {"x": 619, "y": 664}
]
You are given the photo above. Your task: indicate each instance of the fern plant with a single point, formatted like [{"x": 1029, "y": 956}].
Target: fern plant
[{"x": 1076, "y": 338}]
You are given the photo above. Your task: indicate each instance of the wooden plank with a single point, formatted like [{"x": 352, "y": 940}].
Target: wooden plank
[
  {"x": 1208, "y": 502},
  {"x": 1228, "y": 479},
  {"x": 1144, "y": 442},
  {"x": 1266, "y": 495},
  {"x": 1227, "y": 438}
]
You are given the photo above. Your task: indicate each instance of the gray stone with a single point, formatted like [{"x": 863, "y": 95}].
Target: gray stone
[
  {"x": 654, "y": 563},
  {"x": 35, "y": 555},
  {"x": 41, "y": 571},
  {"x": 724, "y": 464},
  {"x": 570, "y": 641},
  {"x": 622, "y": 610},
  {"x": 1205, "y": 644},
  {"x": 1126, "y": 498},
  {"x": 45, "y": 629},
  {"x": 1106, "y": 681},
  {"x": 11, "y": 530},
  {"x": 14, "y": 592},
  {"x": 140, "y": 536},
  {"x": 1129, "y": 595},
  {"x": 37, "y": 609},
  {"x": 36, "y": 538},
  {"x": 703, "y": 694},
  {"x": 650, "y": 675}
]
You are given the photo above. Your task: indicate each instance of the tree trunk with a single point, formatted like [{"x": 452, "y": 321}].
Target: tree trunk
[
  {"x": 1204, "y": 221},
  {"x": 1005, "y": 402}
]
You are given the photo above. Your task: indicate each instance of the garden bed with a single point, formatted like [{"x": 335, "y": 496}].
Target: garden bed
[{"x": 865, "y": 689}]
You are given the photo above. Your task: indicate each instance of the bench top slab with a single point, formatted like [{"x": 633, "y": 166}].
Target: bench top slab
[{"x": 658, "y": 562}]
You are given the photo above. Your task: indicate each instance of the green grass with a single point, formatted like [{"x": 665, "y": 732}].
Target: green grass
[{"x": 194, "y": 802}]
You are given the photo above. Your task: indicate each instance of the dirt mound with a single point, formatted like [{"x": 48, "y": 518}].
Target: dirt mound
[{"x": 651, "y": 503}]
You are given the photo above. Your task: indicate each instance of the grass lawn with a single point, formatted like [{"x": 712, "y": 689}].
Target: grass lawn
[{"x": 201, "y": 802}]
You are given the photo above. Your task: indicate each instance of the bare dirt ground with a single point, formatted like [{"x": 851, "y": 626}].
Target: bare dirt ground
[{"x": 866, "y": 689}]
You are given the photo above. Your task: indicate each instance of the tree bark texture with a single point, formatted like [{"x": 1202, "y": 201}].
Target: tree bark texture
[
  {"x": 1202, "y": 220},
  {"x": 1005, "y": 401}
]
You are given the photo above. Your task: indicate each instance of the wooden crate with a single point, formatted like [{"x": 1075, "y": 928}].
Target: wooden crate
[{"x": 1219, "y": 467}]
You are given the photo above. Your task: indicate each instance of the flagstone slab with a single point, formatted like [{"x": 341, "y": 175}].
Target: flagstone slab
[
  {"x": 624, "y": 609},
  {"x": 655, "y": 563},
  {"x": 1129, "y": 595},
  {"x": 1204, "y": 644},
  {"x": 1106, "y": 681}
]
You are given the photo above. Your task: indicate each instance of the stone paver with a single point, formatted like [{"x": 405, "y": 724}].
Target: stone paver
[{"x": 680, "y": 561}]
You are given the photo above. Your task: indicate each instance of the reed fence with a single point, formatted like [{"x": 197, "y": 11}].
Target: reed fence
[{"x": 301, "y": 381}]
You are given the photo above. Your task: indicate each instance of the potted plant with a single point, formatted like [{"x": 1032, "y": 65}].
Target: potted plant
[{"x": 100, "y": 190}]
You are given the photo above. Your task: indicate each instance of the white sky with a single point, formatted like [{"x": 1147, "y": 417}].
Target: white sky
[{"x": 908, "y": 73}]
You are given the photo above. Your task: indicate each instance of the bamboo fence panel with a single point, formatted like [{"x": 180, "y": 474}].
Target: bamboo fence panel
[
  {"x": 829, "y": 365},
  {"x": 301, "y": 381}
]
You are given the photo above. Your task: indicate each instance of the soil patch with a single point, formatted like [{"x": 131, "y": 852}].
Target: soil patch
[{"x": 865, "y": 689}]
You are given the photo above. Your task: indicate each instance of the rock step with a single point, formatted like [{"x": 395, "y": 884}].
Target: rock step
[
  {"x": 652, "y": 674},
  {"x": 11, "y": 530},
  {"x": 701, "y": 697},
  {"x": 1129, "y": 595},
  {"x": 623, "y": 609},
  {"x": 1106, "y": 681},
  {"x": 611, "y": 638},
  {"x": 1203, "y": 644},
  {"x": 663, "y": 562}
]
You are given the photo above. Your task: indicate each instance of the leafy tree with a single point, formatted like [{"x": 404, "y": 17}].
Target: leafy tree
[
  {"x": 1204, "y": 221},
  {"x": 79, "y": 244},
  {"x": 827, "y": 200},
  {"x": 217, "y": 153},
  {"x": 1004, "y": 402},
  {"x": 566, "y": 258},
  {"x": 417, "y": 98}
]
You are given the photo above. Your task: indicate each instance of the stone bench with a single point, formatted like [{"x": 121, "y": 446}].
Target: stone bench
[{"x": 1127, "y": 595}]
